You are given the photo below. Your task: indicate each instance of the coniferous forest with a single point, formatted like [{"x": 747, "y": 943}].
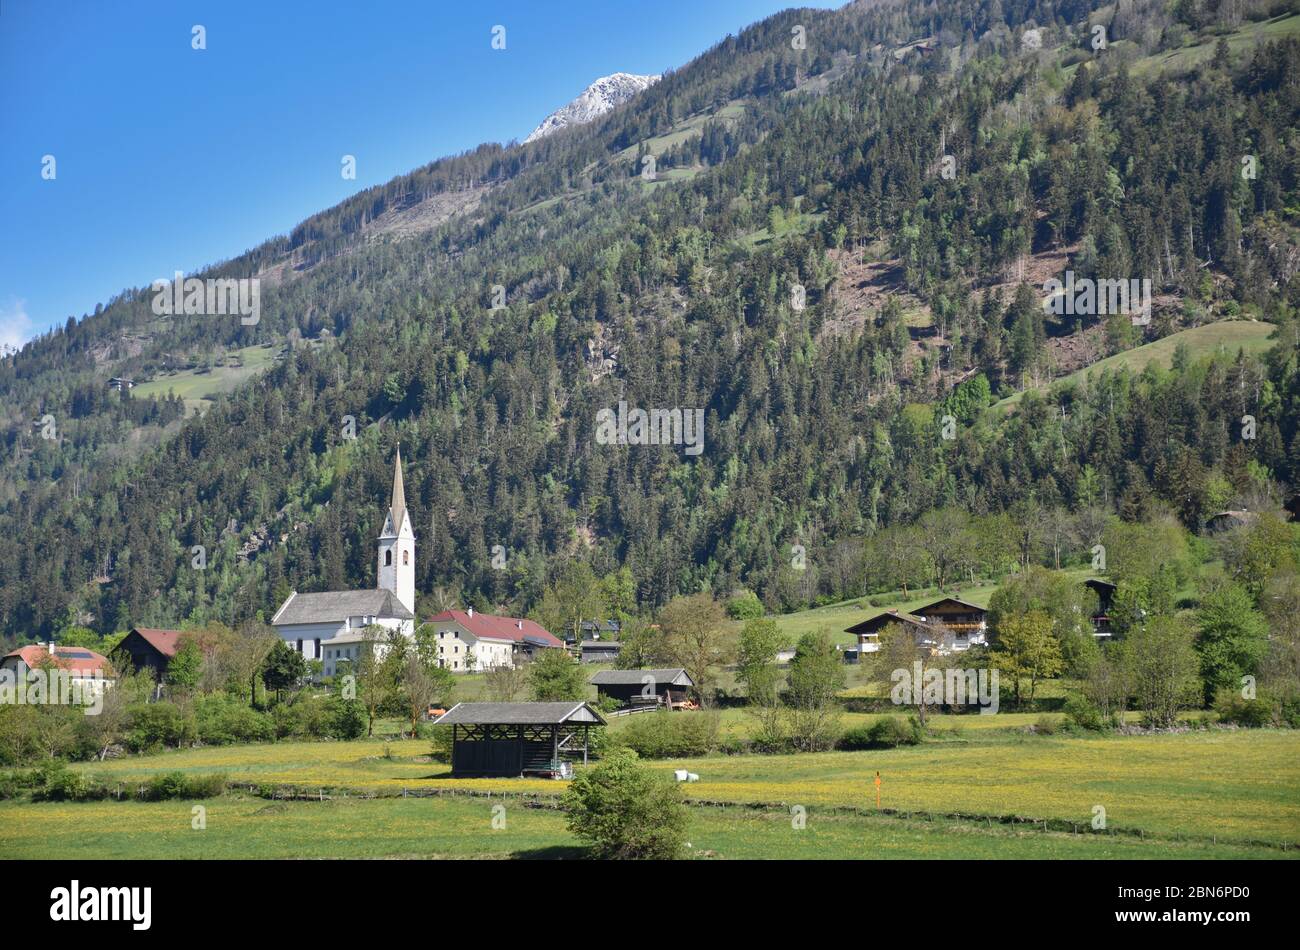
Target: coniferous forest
[{"x": 839, "y": 256}]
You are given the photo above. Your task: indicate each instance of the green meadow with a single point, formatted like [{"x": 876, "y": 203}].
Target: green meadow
[
  {"x": 1203, "y": 793},
  {"x": 236, "y": 826}
]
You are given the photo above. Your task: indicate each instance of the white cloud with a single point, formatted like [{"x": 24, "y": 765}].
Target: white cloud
[{"x": 15, "y": 326}]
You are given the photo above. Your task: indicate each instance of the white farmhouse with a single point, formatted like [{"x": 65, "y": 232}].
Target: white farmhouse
[{"x": 472, "y": 642}]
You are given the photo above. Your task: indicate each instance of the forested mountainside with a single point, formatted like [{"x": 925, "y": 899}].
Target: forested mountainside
[{"x": 916, "y": 169}]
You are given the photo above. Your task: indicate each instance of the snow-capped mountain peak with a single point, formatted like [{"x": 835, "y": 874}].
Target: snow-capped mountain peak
[{"x": 597, "y": 99}]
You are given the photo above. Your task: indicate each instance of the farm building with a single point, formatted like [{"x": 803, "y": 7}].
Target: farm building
[
  {"x": 966, "y": 621},
  {"x": 513, "y": 739},
  {"x": 470, "y": 641},
  {"x": 146, "y": 648},
  {"x": 667, "y": 688},
  {"x": 85, "y": 673},
  {"x": 868, "y": 632},
  {"x": 1105, "y": 592},
  {"x": 599, "y": 651},
  {"x": 79, "y": 662},
  {"x": 948, "y": 625}
]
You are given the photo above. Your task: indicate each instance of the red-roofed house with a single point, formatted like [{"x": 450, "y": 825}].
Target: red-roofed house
[
  {"x": 78, "y": 661},
  {"x": 149, "y": 648},
  {"x": 472, "y": 642}
]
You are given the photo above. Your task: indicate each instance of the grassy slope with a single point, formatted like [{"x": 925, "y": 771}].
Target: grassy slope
[
  {"x": 1242, "y": 786},
  {"x": 835, "y": 617},
  {"x": 1240, "y": 42},
  {"x": 197, "y": 387},
  {"x": 1227, "y": 335},
  {"x": 241, "y": 827}
]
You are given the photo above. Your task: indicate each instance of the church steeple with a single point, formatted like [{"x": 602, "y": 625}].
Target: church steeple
[
  {"x": 397, "y": 544},
  {"x": 397, "y": 508}
]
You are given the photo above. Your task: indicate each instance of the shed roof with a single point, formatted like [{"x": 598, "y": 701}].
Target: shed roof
[
  {"x": 336, "y": 605},
  {"x": 518, "y": 714},
  {"x": 674, "y": 677},
  {"x": 164, "y": 641}
]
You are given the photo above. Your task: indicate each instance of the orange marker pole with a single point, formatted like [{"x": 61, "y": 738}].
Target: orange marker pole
[{"x": 877, "y": 791}]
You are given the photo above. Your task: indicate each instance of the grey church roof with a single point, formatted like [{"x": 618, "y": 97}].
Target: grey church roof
[{"x": 336, "y": 605}]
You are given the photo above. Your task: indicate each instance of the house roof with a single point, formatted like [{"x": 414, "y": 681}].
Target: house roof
[
  {"x": 164, "y": 641},
  {"x": 673, "y": 677},
  {"x": 518, "y": 714},
  {"x": 491, "y": 627},
  {"x": 878, "y": 622},
  {"x": 336, "y": 605},
  {"x": 65, "y": 658},
  {"x": 920, "y": 611}
]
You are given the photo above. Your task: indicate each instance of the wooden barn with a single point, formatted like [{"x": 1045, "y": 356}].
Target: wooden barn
[
  {"x": 514, "y": 739},
  {"x": 1105, "y": 592},
  {"x": 146, "y": 648},
  {"x": 667, "y": 688}
]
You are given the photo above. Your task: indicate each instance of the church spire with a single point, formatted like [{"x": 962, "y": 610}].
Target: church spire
[{"x": 397, "y": 510}]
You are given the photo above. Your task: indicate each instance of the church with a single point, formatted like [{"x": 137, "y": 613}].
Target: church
[{"x": 328, "y": 626}]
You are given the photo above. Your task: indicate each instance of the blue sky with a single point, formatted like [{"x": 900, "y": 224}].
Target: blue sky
[{"x": 169, "y": 158}]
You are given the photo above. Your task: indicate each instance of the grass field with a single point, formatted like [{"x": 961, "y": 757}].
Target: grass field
[
  {"x": 1227, "y": 336},
  {"x": 1240, "y": 42},
  {"x": 1214, "y": 787},
  {"x": 198, "y": 387},
  {"x": 245, "y": 827},
  {"x": 836, "y": 617}
]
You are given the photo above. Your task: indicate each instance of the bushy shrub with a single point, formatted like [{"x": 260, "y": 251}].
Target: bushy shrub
[
  {"x": 855, "y": 738},
  {"x": 440, "y": 744},
  {"x": 55, "y": 782},
  {"x": 626, "y": 810},
  {"x": 885, "y": 733},
  {"x": 1291, "y": 712},
  {"x": 13, "y": 784},
  {"x": 745, "y": 606},
  {"x": 670, "y": 735},
  {"x": 1234, "y": 708},
  {"x": 1082, "y": 714},
  {"x": 348, "y": 718},
  {"x": 224, "y": 720},
  {"x": 169, "y": 785},
  {"x": 153, "y": 725}
]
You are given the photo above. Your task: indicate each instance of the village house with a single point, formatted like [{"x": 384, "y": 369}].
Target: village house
[
  {"x": 85, "y": 668},
  {"x": 468, "y": 641},
  {"x": 944, "y": 626}
]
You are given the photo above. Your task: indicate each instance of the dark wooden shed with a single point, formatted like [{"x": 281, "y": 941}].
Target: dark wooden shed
[
  {"x": 513, "y": 739},
  {"x": 666, "y": 688}
]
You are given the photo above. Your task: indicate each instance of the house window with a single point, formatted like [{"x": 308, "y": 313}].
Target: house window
[
  {"x": 388, "y": 559},
  {"x": 316, "y": 650},
  {"x": 406, "y": 558},
  {"x": 299, "y": 646}
]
